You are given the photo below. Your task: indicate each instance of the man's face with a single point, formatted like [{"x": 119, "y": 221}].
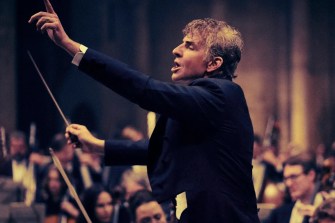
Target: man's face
[
  {"x": 150, "y": 212},
  {"x": 189, "y": 63},
  {"x": 18, "y": 148},
  {"x": 65, "y": 155},
  {"x": 299, "y": 184}
]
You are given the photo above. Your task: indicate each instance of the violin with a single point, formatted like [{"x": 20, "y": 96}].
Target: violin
[
  {"x": 30, "y": 181},
  {"x": 3, "y": 147},
  {"x": 61, "y": 217},
  {"x": 58, "y": 219}
]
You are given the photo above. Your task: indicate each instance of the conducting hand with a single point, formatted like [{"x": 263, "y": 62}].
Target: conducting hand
[
  {"x": 89, "y": 142},
  {"x": 49, "y": 22}
]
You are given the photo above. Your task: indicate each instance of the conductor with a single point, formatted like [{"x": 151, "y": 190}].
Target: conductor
[{"x": 199, "y": 155}]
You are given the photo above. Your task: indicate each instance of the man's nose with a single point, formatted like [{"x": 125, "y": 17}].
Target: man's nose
[
  {"x": 288, "y": 182},
  {"x": 177, "y": 51}
]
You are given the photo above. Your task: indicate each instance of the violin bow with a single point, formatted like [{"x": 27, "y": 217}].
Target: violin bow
[{"x": 70, "y": 186}]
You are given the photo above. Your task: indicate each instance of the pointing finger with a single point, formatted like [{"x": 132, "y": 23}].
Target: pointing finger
[{"x": 48, "y": 6}]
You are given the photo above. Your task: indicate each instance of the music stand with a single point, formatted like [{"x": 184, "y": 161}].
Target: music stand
[
  {"x": 4, "y": 213},
  {"x": 10, "y": 191},
  {"x": 21, "y": 213}
]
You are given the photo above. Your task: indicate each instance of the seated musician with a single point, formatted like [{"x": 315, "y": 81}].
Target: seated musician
[
  {"x": 54, "y": 194},
  {"x": 98, "y": 203},
  {"x": 300, "y": 180}
]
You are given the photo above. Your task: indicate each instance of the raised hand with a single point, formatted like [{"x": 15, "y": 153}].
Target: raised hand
[
  {"x": 90, "y": 143},
  {"x": 49, "y": 22}
]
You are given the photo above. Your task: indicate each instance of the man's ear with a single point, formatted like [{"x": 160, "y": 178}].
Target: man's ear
[
  {"x": 214, "y": 64},
  {"x": 312, "y": 175}
]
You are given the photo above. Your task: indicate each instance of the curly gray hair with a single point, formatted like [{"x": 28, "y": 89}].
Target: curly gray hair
[{"x": 219, "y": 40}]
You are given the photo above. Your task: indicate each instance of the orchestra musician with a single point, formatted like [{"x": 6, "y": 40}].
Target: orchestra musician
[
  {"x": 18, "y": 166},
  {"x": 100, "y": 207},
  {"x": 301, "y": 181},
  {"x": 54, "y": 194},
  {"x": 80, "y": 174},
  {"x": 144, "y": 208}
]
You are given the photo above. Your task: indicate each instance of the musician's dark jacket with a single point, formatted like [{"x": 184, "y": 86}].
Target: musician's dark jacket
[
  {"x": 202, "y": 142},
  {"x": 6, "y": 170},
  {"x": 6, "y": 167},
  {"x": 282, "y": 214}
]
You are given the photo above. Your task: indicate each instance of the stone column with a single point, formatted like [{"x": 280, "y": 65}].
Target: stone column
[
  {"x": 142, "y": 53},
  {"x": 299, "y": 74}
]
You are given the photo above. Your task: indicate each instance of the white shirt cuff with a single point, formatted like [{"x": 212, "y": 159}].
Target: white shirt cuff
[{"x": 77, "y": 58}]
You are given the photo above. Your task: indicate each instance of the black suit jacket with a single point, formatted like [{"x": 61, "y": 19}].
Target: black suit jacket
[
  {"x": 202, "y": 143},
  {"x": 282, "y": 214},
  {"x": 6, "y": 169}
]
